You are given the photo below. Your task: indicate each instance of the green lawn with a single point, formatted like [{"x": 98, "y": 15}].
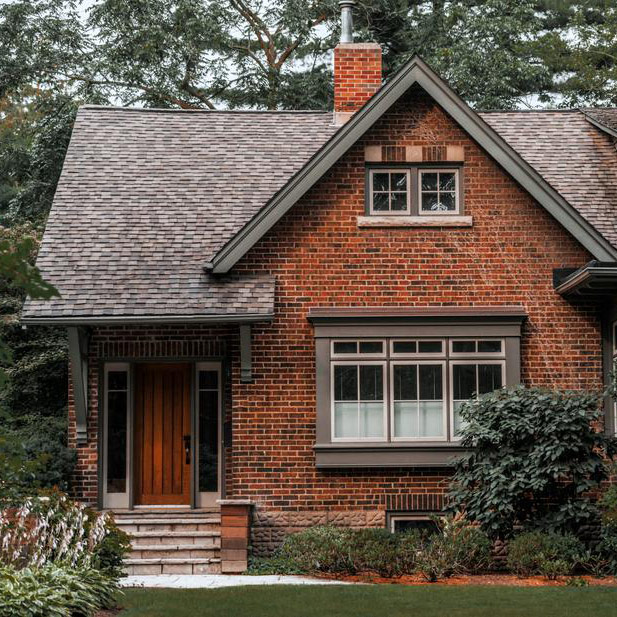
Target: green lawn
[{"x": 371, "y": 601}]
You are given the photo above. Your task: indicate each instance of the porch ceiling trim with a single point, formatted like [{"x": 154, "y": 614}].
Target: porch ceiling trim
[{"x": 105, "y": 320}]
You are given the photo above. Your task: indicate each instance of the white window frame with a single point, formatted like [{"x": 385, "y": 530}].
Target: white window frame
[
  {"x": 477, "y": 354},
  {"x": 444, "y": 399},
  {"x": 357, "y": 354},
  {"x": 358, "y": 362},
  {"x": 387, "y": 170},
  {"x": 438, "y": 170},
  {"x": 207, "y": 499},
  {"x": 117, "y": 500},
  {"x": 418, "y": 354},
  {"x": 470, "y": 360},
  {"x": 392, "y": 518}
]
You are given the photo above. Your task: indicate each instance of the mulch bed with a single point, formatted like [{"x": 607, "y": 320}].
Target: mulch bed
[{"x": 509, "y": 580}]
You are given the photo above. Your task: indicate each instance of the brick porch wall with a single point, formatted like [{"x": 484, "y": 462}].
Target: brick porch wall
[{"x": 321, "y": 258}]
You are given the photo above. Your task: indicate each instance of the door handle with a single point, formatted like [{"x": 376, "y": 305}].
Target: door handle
[{"x": 187, "y": 449}]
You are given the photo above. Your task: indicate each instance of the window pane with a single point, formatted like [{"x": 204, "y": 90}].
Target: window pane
[
  {"x": 346, "y": 383},
  {"x": 429, "y": 202},
  {"x": 405, "y": 382},
  {"x": 463, "y": 346},
  {"x": 489, "y": 378},
  {"x": 208, "y": 380},
  {"x": 398, "y": 202},
  {"x": 117, "y": 380},
  {"x": 371, "y": 347},
  {"x": 429, "y": 346},
  {"x": 345, "y": 347},
  {"x": 447, "y": 202},
  {"x": 489, "y": 346},
  {"x": 464, "y": 377},
  {"x": 381, "y": 182},
  {"x": 371, "y": 383},
  {"x": 406, "y": 420},
  {"x": 429, "y": 181},
  {"x": 208, "y": 435},
  {"x": 116, "y": 439},
  {"x": 345, "y": 419},
  {"x": 380, "y": 202},
  {"x": 399, "y": 182},
  {"x": 431, "y": 387},
  {"x": 425, "y": 526},
  {"x": 404, "y": 347},
  {"x": 447, "y": 181},
  {"x": 431, "y": 419},
  {"x": 459, "y": 423},
  {"x": 371, "y": 419}
]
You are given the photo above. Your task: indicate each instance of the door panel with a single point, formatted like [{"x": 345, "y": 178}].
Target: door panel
[{"x": 162, "y": 420}]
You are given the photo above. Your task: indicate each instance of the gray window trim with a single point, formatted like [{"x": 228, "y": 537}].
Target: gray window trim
[
  {"x": 458, "y": 174},
  {"x": 409, "y": 192},
  {"x": 332, "y": 453}
]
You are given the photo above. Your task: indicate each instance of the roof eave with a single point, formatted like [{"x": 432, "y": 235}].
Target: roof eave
[
  {"x": 593, "y": 280},
  {"x": 416, "y": 71},
  {"x": 107, "y": 320}
]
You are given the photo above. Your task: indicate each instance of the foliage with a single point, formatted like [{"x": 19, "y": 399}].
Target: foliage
[
  {"x": 549, "y": 554},
  {"x": 55, "y": 529},
  {"x": 535, "y": 455},
  {"x": 458, "y": 547},
  {"x": 17, "y": 474},
  {"x": 108, "y": 555},
  {"x": 52, "y": 591}
]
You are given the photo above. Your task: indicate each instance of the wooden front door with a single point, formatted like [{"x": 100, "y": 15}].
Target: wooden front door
[{"x": 162, "y": 434}]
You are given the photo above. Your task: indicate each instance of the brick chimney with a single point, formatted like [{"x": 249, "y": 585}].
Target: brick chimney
[{"x": 357, "y": 69}]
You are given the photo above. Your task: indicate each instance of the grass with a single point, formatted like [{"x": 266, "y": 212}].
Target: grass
[{"x": 371, "y": 601}]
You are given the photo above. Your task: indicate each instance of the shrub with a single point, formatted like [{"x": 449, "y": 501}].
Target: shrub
[
  {"x": 52, "y": 591},
  {"x": 58, "y": 530},
  {"x": 534, "y": 455},
  {"x": 375, "y": 550},
  {"x": 549, "y": 554},
  {"x": 460, "y": 548},
  {"x": 319, "y": 549}
]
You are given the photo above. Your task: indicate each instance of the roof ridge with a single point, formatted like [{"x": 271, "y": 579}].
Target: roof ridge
[{"x": 207, "y": 111}]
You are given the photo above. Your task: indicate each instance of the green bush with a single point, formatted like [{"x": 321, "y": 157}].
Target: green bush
[
  {"x": 550, "y": 554},
  {"x": 375, "y": 550},
  {"x": 51, "y": 591},
  {"x": 534, "y": 455},
  {"x": 460, "y": 548},
  {"x": 108, "y": 555}
]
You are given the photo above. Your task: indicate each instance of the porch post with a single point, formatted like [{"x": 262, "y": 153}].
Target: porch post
[{"x": 78, "y": 356}]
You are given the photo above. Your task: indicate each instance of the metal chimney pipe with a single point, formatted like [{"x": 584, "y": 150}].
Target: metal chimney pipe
[{"x": 346, "y": 20}]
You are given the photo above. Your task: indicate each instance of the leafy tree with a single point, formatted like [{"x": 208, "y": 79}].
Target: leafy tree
[{"x": 534, "y": 457}]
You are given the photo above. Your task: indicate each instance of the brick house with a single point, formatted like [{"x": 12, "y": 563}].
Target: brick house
[{"x": 278, "y": 314}]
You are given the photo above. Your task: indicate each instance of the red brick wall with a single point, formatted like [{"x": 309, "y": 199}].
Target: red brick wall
[
  {"x": 357, "y": 74},
  {"x": 321, "y": 258}
]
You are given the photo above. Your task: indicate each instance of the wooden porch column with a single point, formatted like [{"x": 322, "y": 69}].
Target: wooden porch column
[{"x": 235, "y": 534}]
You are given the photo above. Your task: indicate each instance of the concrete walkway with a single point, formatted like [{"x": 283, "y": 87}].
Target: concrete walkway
[{"x": 213, "y": 581}]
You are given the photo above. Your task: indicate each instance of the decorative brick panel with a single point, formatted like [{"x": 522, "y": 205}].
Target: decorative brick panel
[{"x": 357, "y": 75}]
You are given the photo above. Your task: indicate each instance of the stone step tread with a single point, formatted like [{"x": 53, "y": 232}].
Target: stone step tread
[
  {"x": 170, "y": 561},
  {"x": 173, "y": 547},
  {"x": 167, "y": 521},
  {"x": 174, "y": 534}
]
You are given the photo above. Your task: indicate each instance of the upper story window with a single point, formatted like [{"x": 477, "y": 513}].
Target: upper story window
[
  {"x": 390, "y": 191},
  {"x": 438, "y": 191},
  {"x": 413, "y": 191}
]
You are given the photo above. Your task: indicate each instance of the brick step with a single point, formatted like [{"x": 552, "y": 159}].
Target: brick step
[
  {"x": 172, "y": 566},
  {"x": 174, "y": 551}
]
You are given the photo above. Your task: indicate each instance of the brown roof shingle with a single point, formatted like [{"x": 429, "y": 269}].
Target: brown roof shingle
[{"x": 147, "y": 196}]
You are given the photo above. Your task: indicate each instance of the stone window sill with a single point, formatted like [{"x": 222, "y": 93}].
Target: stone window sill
[
  {"x": 421, "y": 454},
  {"x": 415, "y": 221}
]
